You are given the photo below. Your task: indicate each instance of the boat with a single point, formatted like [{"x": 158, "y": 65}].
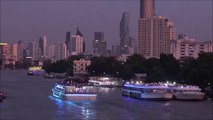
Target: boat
[
  {"x": 103, "y": 82},
  {"x": 49, "y": 75},
  {"x": 150, "y": 91},
  {"x": 69, "y": 90},
  {"x": 35, "y": 70},
  {"x": 187, "y": 92}
]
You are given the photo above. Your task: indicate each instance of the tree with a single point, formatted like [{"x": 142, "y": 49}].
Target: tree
[
  {"x": 18, "y": 64},
  {"x": 171, "y": 66}
]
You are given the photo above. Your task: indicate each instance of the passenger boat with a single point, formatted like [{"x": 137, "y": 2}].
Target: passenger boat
[
  {"x": 147, "y": 91},
  {"x": 103, "y": 82},
  {"x": 187, "y": 92},
  {"x": 49, "y": 75},
  {"x": 36, "y": 70},
  {"x": 69, "y": 90}
]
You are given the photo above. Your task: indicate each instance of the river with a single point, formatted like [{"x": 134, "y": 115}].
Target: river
[{"x": 30, "y": 98}]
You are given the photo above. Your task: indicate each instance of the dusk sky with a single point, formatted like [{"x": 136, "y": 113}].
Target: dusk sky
[{"x": 27, "y": 20}]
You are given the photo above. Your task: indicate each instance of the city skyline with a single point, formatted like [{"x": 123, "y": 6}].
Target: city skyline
[{"x": 27, "y": 32}]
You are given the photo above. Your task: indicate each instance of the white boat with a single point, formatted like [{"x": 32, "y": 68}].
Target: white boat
[
  {"x": 147, "y": 91},
  {"x": 103, "y": 82},
  {"x": 74, "y": 91},
  {"x": 187, "y": 92}
]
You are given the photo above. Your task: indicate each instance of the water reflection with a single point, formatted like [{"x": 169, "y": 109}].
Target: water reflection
[
  {"x": 84, "y": 108},
  {"x": 166, "y": 111},
  {"x": 105, "y": 90},
  {"x": 88, "y": 112}
]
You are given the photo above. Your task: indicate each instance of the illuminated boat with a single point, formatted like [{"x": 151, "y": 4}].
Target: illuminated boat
[
  {"x": 147, "y": 91},
  {"x": 74, "y": 91},
  {"x": 36, "y": 70},
  {"x": 187, "y": 92},
  {"x": 103, "y": 81},
  {"x": 49, "y": 75}
]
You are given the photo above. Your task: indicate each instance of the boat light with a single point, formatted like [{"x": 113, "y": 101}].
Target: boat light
[{"x": 58, "y": 86}]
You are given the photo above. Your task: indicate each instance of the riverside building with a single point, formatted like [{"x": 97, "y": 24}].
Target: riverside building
[
  {"x": 187, "y": 47},
  {"x": 80, "y": 66},
  {"x": 154, "y": 32}
]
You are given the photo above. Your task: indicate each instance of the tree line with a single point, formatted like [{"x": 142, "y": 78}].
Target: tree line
[{"x": 165, "y": 68}]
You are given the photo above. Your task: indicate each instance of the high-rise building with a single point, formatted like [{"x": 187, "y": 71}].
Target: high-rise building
[
  {"x": 13, "y": 52},
  {"x": 186, "y": 47},
  {"x": 99, "y": 44},
  {"x": 125, "y": 40},
  {"x": 154, "y": 32},
  {"x": 77, "y": 44},
  {"x": 34, "y": 50},
  {"x": 51, "y": 52},
  {"x": 61, "y": 51},
  {"x": 8, "y": 53},
  {"x": 154, "y": 36},
  {"x": 3, "y": 50},
  {"x": 43, "y": 46},
  {"x": 147, "y": 8},
  {"x": 20, "y": 48},
  {"x": 68, "y": 39},
  {"x": 115, "y": 50}
]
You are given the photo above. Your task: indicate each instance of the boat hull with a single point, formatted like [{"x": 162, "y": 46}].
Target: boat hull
[
  {"x": 151, "y": 96},
  {"x": 157, "y": 96},
  {"x": 189, "y": 96},
  {"x": 74, "y": 97}
]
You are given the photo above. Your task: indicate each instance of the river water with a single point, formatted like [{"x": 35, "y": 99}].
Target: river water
[{"x": 30, "y": 98}]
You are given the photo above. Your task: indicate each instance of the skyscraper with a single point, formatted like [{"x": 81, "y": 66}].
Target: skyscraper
[
  {"x": 51, "y": 52},
  {"x": 34, "y": 50},
  {"x": 43, "y": 46},
  {"x": 61, "y": 51},
  {"x": 154, "y": 36},
  {"x": 77, "y": 45},
  {"x": 125, "y": 41},
  {"x": 99, "y": 44},
  {"x": 68, "y": 39},
  {"x": 147, "y": 8},
  {"x": 79, "y": 33},
  {"x": 115, "y": 50},
  {"x": 154, "y": 32},
  {"x": 20, "y": 48}
]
